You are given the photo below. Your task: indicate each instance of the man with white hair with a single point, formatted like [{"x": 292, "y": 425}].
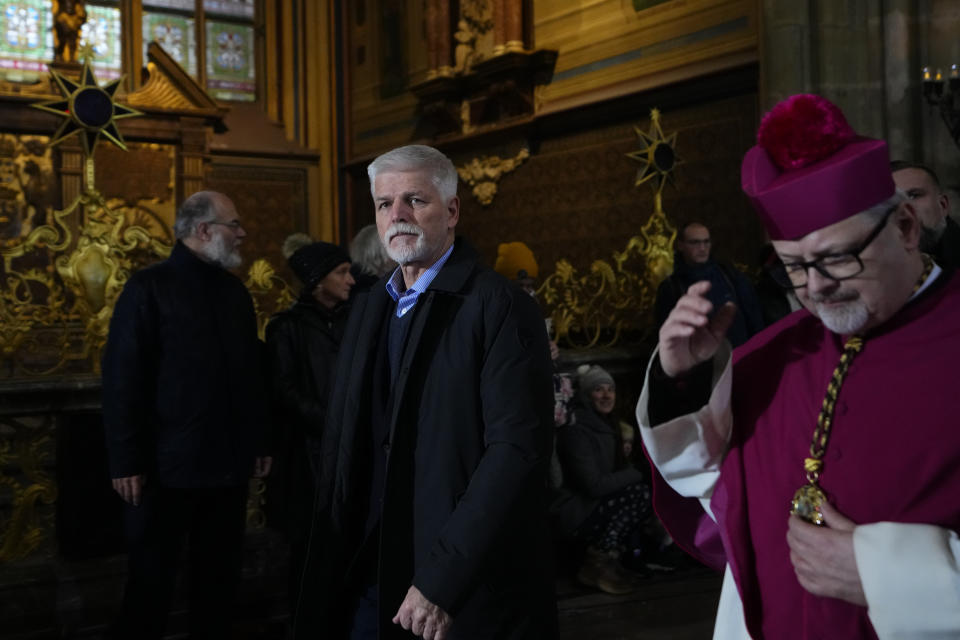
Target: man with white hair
[
  {"x": 186, "y": 421},
  {"x": 430, "y": 513},
  {"x": 820, "y": 463}
]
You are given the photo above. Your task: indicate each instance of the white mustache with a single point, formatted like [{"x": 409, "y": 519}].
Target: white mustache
[
  {"x": 403, "y": 227},
  {"x": 837, "y": 296}
]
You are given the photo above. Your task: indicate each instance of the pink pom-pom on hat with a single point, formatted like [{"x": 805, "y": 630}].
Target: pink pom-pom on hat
[{"x": 809, "y": 168}]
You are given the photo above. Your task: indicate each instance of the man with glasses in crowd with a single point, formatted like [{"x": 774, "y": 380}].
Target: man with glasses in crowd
[
  {"x": 819, "y": 464},
  {"x": 692, "y": 263},
  {"x": 186, "y": 422}
]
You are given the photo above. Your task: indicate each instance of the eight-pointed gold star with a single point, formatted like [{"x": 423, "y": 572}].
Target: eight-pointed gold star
[
  {"x": 88, "y": 109},
  {"x": 656, "y": 155}
]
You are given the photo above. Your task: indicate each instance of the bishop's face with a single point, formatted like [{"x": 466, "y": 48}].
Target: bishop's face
[{"x": 891, "y": 266}]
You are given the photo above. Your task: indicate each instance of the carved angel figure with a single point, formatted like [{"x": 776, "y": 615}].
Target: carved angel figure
[
  {"x": 68, "y": 18},
  {"x": 464, "y": 52}
]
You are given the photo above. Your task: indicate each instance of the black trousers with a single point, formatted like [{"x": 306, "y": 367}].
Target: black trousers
[{"x": 210, "y": 523}]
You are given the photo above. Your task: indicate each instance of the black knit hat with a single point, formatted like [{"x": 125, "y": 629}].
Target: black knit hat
[{"x": 312, "y": 263}]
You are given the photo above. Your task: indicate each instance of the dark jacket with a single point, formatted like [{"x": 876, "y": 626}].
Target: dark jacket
[
  {"x": 591, "y": 455},
  {"x": 302, "y": 347},
  {"x": 470, "y": 423},
  {"x": 947, "y": 253},
  {"x": 727, "y": 285},
  {"x": 183, "y": 393}
]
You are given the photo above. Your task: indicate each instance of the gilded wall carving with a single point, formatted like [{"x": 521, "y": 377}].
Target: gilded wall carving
[
  {"x": 28, "y": 188},
  {"x": 574, "y": 200},
  {"x": 483, "y": 173},
  {"x": 27, "y": 495}
]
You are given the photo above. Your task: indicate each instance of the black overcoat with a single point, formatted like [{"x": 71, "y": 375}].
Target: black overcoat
[
  {"x": 183, "y": 392},
  {"x": 302, "y": 346},
  {"x": 471, "y": 431}
]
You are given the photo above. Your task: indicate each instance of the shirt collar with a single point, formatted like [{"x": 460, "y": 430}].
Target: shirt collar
[{"x": 396, "y": 286}]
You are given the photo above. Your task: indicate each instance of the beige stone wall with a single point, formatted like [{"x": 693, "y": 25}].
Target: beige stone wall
[{"x": 867, "y": 55}]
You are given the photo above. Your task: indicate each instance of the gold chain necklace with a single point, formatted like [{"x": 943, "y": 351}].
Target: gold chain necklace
[{"x": 808, "y": 498}]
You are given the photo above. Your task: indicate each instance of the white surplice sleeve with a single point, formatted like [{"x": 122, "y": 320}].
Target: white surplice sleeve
[
  {"x": 688, "y": 450},
  {"x": 911, "y": 579}
]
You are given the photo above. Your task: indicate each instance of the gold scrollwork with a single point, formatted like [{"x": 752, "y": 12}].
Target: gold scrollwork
[
  {"x": 28, "y": 448},
  {"x": 256, "y": 498},
  {"x": 61, "y": 313},
  {"x": 614, "y": 301},
  {"x": 484, "y": 173},
  {"x": 270, "y": 292}
]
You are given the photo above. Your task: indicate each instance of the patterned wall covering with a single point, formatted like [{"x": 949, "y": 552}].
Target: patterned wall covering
[
  {"x": 575, "y": 199},
  {"x": 271, "y": 203},
  {"x": 141, "y": 183}
]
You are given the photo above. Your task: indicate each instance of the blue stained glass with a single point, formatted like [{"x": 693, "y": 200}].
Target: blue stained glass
[
  {"x": 231, "y": 67},
  {"x": 175, "y": 34},
  {"x": 233, "y": 8},
  {"x": 183, "y": 5},
  {"x": 102, "y": 31},
  {"x": 26, "y": 39}
]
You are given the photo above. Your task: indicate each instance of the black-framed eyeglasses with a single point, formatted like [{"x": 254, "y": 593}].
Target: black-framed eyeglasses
[
  {"x": 233, "y": 224},
  {"x": 838, "y": 266}
]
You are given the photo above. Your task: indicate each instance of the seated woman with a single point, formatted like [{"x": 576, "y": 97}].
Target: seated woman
[{"x": 607, "y": 498}]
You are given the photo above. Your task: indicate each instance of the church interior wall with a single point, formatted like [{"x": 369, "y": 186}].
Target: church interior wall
[{"x": 338, "y": 88}]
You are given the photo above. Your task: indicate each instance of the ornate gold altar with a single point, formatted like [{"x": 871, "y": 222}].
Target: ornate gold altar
[
  {"x": 612, "y": 304},
  {"x": 63, "y": 268}
]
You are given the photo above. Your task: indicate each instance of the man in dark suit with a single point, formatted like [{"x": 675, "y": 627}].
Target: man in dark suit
[
  {"x": 185, "y": 419},
  {"x": 939, "y": 234},
  {"x": 430, "y": 515}
]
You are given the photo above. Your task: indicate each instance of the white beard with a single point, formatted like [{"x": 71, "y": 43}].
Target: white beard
[
  {"x": 846, "y": 318},
  {"x": 217, "y": 252},
  {"x": 406, "y": 254}
]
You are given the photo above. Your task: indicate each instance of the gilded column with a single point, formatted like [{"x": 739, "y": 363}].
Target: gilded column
[
  {"x": 131, "y": 20},
  {"x": 444, "y": 39},
  {"x": 194, "y": 145},
  {"x": 513, "y": 24},
  {"x": 71, "y": 170},
  {"x": 433, "y": 37},
  {"x": 499, "y": 27}
]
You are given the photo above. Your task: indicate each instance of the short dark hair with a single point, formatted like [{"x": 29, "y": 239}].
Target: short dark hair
[
  {"x": 899, "y": 165},
  {"x": 682, "y": 232}
]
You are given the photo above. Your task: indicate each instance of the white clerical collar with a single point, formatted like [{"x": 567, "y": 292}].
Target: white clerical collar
[{"x": 934, "y": 273}]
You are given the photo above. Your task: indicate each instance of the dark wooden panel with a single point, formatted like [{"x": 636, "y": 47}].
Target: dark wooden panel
[{"x": 271, "y": 202}]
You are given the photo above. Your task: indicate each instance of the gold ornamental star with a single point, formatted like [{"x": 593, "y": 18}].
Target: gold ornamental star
[
  {"x": 656, "y": 155},
  {"x": 88, "y": 109}
]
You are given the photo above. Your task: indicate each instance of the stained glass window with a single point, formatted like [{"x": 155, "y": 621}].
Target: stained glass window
[
  {"x": 102, "y": 31},
  {"x": 229, "y": 63},
  {"x": 231, "y": 69},
  {"x": 26, "y": 39},
  {"x": 183, "y": 5},
  {"x": 235, "y": 8},
  {"x": 176, "y": 34}
]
